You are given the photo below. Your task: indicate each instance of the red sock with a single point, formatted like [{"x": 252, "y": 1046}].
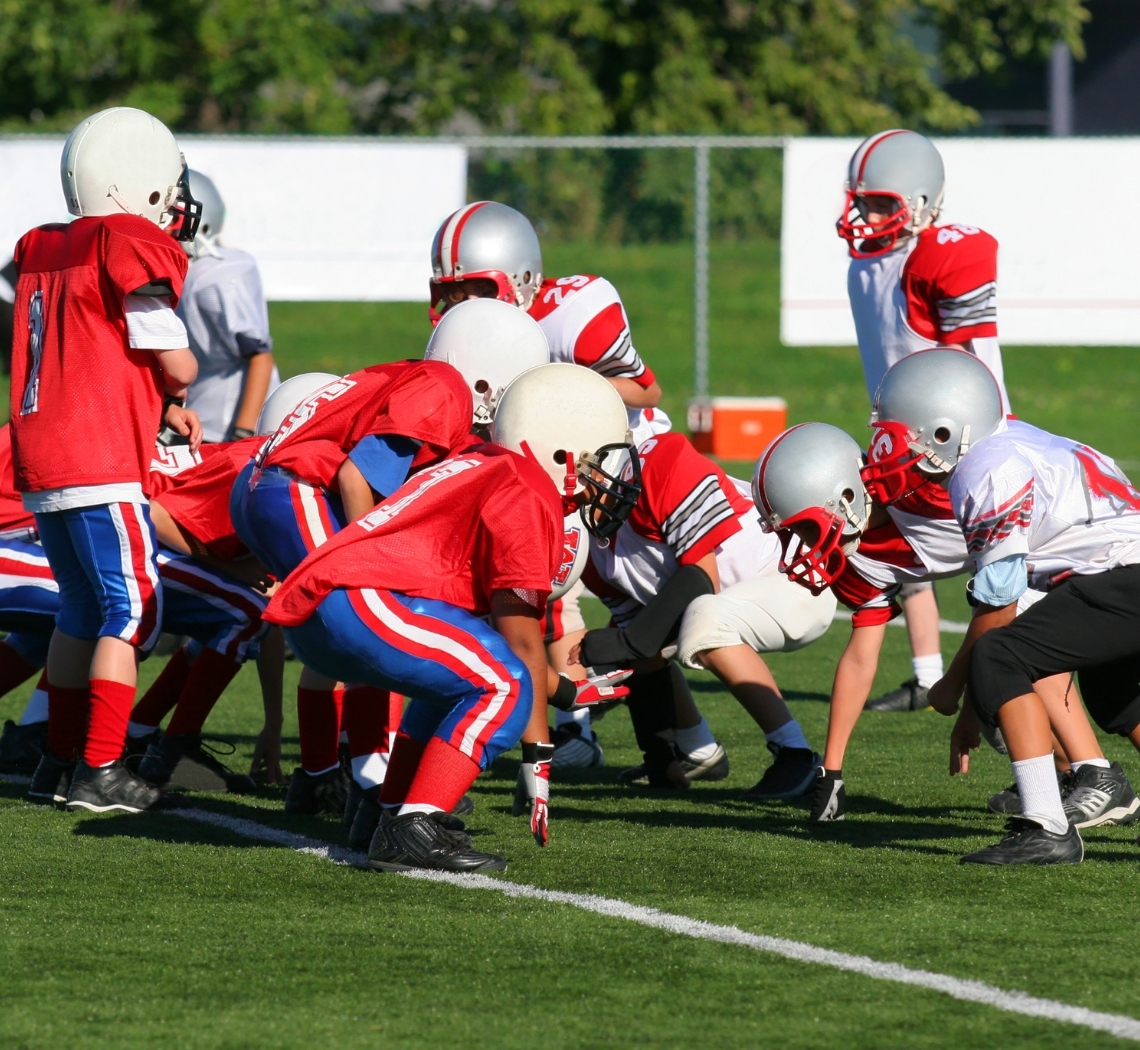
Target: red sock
[
  {"x": 395, "y": 716},
  {"x": 68, "y": 710},
  {"x": 107, "y": 728},
  {"x": 211, "y": 673},
  {"x": 366, "y": 720},
  {"x": 318, "y": 718},
  {"x": 444, "y": 775},
  {"x": 402, "y": 766},
  {"x": 14, "y": 669},
  {"x": 161, "y": 697}
]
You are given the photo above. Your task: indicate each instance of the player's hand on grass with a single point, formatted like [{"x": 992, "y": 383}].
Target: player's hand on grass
[
  {"x": 596, "y": 689},
  {"x": 184, "y": 421},
  {"x": 532, "y": 792},
  {"x": 944, "y": 696},
  {"x": 267, "y": 756},
  {"x": 964, "y": 738}
]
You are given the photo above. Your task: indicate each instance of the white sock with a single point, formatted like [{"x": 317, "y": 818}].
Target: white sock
[
  {"x": 368, "y": 770},
  {"x": 137, "y": 729},
  {"x": 1103, "y": 763},
  {"x": 927, "y": 669},
  {"x": 697, "y": 741},
  {"x": 36, "y": 710},
  {"x": 321, "y": 772},
  {"x": 417, "y": 807},
  {"x": 1040, "y": 796},
  {"x": 581, "y": 717},
  {"x": 789, "y": 735}
]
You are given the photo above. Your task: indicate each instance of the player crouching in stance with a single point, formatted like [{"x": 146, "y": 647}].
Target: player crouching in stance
[
  {"x": 1036, "y": 510},
  {"x": 396, "y": 600},
  {"x": 691, "y": 573},
  {"x": 103, "y": 347}
]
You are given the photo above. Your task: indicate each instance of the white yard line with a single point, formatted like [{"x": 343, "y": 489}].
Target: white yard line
[
  {"x": 968, "y": 991},
  {"x": 946, "y": 626}
]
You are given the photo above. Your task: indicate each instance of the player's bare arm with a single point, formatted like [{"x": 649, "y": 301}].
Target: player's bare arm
[
  {"x": 635, "y": 395},
  {"x": 270, "y": 672},
  {"x": 521, "y": 625},
  {"x": 257, "y": 379},
  {"x": 356, "y": 494},
  {"x": 854, "y": 678},
  {"x": 179, "y": 369},
  {"x": 947, "y": 691}
]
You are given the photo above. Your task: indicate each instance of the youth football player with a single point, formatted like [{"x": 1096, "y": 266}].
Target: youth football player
[
  {"x": 1035, "y": 510},
  {"x": 914, "y": 285},
  {"x": 101, "y": 348},
  {"x": 865, "y": 544},
  {"x": 396, "y": 599},
  {"x": 691, "y": 571},
  {"x": 227, "y": 320}
]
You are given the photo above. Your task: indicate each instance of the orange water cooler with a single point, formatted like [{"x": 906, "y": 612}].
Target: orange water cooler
[{"x": 736, "y": 427}]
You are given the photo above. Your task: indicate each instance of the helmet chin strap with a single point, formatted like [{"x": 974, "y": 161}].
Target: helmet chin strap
[{"x": 120, "y": 200}]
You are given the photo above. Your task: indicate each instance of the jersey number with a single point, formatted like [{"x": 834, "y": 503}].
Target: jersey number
[
  {"x": 558, "y": 292},
  {"x": 31, "y": 402}
]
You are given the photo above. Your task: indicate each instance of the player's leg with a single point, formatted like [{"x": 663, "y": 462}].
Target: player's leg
[
  {"x": 920, "y": 603},
  {"x": 159, "y": 700},
  {"x": 116, "y": 545},
  {"x": 22, "y": 743},
  {"x": 1090, "y": 623},
  {"x": 447, "y": 659}
]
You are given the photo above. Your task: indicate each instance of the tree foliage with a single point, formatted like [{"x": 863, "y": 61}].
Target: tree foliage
[{"x": 537, "y": 66}]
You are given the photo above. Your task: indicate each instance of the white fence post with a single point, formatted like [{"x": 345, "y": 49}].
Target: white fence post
[{"x": 701, "y": 271}]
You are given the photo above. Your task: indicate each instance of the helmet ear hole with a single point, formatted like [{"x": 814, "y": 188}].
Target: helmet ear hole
[
  {"x": 560, "y": 457},
  {"x": 526, "y": 277},
  {"x": 153, "y": 198},
  {"x": 482, "y": 386},
  {"x": 942, "y": 435},
  {"x": 849, "y": 495}
]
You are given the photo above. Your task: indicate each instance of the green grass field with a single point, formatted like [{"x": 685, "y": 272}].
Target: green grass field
[{"x": 123, "y": 932}]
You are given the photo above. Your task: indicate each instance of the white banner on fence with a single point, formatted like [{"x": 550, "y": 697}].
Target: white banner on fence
[
  {"x": 1062, "y": 210},
  {"x": 326, "y": 220}
]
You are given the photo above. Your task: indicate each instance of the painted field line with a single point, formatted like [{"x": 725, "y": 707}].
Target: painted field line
[
  {"x": 968, "y": 991},
  {"x": 945, "y": 626}
]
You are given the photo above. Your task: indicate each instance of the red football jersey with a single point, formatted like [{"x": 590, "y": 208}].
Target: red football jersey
[
  {"x": 484, "y": 520},
  {"x": 12, "y": 513},
  {"x": 85, "y": 408},
  {"x": 585, "y": 323},
  {"x": 950, "y": 284},
  {"x": 425, "y": 400},
  {"x": 198, "y": 498}
]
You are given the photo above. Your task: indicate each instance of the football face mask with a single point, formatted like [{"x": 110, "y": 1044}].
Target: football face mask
[
  {"x": 854, "y": 225},
  {"x": 813, "y": 550},
  {"x": 186, "y": 211},
  {"x": 612, "y": 485},
  {"x": 892, "y": 470}
]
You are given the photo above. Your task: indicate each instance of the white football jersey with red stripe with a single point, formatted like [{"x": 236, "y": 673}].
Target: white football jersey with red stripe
[
  {"x": 688, "y": 508},
  {"x": 1065, "y": 506},
  {"x": 937, "y": 288},
  {"x": 585, "y": 323}
]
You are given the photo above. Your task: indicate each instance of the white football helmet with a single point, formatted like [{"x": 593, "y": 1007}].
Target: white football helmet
[
  {"x": 929, "y": 409},
  {"x": 900, "y": 164},
  {"x": 202, "y": 188},
  {"x": 572, "y": 423},
  {"x": 575, "y": 554},
  {"x": 124, "y": 160},
  {"x": 809, "y": 477},
  {"x": 287, "y": 397},
  {"x": 487, "y": 240},
  {"x": 489, "y": 342}
]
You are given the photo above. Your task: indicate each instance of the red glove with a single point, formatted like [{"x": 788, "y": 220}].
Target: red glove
[
  {"x": 533, "y": 789},
  {"x": 597, "y": 689}
]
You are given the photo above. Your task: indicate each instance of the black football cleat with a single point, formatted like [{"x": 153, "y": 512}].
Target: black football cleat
[
  {"x": 365, "y": 820},
  {"x": 715, "y": 767},
  {"x": 1027, "y": 842},
  {"x": 22, "y": 747},
  {"x": 102, "y": 789},
  {"x": 187, "y": 761},
  {"x": 829, "y": 797},
  {"x": 464, "y": 806},
  {"x": 792, "y": 773},
  {"x": 136, "y": 747},
  {"x": 910, "y": 696},
  {"x": 1099, "y": 796},
  {"x": 424, "y": 841},
  {"x": 1008, "y": 802},
  {"x": 50, "y": 781},
  {"x": 323, "y": 793}
]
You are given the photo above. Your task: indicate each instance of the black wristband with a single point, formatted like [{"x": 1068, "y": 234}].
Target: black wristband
[
  {"x": 564, "y": 695},
  {"x": 238, "y": 433},
  {"x": 170, "y": 399}
]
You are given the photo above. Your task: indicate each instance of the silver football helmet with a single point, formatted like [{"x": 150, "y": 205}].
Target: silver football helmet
[
  {"x": 487, "y": 240},
  {"x": 808, "y": 490},
  {"x": 213, "y": 215},
  {"x": 900, "y": 164},
  {"x": 929, "y": 409}
]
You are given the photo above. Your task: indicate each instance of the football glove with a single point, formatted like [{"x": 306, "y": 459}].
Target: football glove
[
  {"x": 597, "y": 689},
  {"x": 828, "y": 797},
  {"x": 532, "y": 793}
]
